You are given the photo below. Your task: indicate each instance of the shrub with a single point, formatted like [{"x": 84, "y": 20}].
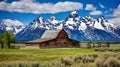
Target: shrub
[
  {"x": 91, "y": 59},
  {"x": 85, "y": 58},
  {"x": 21, "y": 65},
  {"x": 9, "y": 66},
  {"x": 118, "y": 57},
  {"x": 35, "y": 65},
  {"x": 66, "y": 62},
  {"x": 78, "y": 59},
  {"x": 100, "y": 49},
  {"x": 107, "y": 59},
  {"x": 91, "y": 65},
  {"x": 95, "y": 55},
  {"x": 99, "y": 62},
  {"x": 111, "y": 62},
  {"x": 107, "y": 49}
]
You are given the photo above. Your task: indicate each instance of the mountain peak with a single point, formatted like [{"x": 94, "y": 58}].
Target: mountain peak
[
  {"x": 74, "y": 12},
  {"x": 52, "y": 18},
  {"x": 40, "y": 19},
  {"x": 102, "y": 19},
  {"x": 9, "y": 22},
  {"x": 13, "y": 25},
  {"x": 79, "y": 28},
  {"x": 73, "y": 16}
]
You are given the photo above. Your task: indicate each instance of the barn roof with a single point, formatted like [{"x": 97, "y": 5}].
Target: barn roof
[
  {"x": 50, "y": 33},
  {"x": 47, "y": 35},
  {"x": 40, "y": 40}
]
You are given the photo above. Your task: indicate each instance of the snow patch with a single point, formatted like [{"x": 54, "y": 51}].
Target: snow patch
[
  {"x": 82, "y": 26},
  {"x": 98, "y": 25}
]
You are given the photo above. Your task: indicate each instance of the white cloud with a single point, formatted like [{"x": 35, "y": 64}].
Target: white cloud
[
  {"x": 102, "y": 6},
  {"x": 90, "y": 7},
  {"x": 95, "y": 12},
  {"x": 115, "y": 20},
  {"x": 29, "y": 6},
  {"x": 116, "y": 14},
  {"x": 10, "y": 22}
]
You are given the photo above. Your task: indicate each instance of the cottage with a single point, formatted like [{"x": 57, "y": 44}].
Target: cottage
[{"x": 53, "y": 39}]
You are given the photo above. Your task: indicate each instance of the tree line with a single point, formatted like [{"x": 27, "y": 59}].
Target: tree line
[{"x": 6, "y": 39}]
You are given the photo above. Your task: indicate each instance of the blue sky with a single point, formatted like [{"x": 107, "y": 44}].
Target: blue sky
[{"x": 26, "y": 11}]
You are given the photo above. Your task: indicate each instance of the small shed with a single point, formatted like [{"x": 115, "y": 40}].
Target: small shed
[{"x": 53, "y": 39}]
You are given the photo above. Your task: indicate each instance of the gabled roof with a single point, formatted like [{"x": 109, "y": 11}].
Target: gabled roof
[
  {"x": 47, "y": 35},
  {"x": 50, "y": 33},
  {"x": 40, "y": 40}
]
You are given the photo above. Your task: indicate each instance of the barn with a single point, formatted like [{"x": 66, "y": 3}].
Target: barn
[{"x": 53, "y": 39}]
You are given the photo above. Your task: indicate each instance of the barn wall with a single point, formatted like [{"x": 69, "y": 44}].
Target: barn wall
[
  {"x": 61, "y": 40},
  {"x": 32, "y": 46},
  {"x": 59, "y": 43},
  {"x": 56, "y": 43},
  {"x": 48, "y": 44}
]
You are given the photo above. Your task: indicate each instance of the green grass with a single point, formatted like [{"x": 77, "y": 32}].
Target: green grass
[
  {"x": 108, "y": 59},
  {"x": 8, "y": 55},
  {"x": 39, "y": 55},
  {"x": 53, "y": 51},
  {"x": 24, "y": 57}
]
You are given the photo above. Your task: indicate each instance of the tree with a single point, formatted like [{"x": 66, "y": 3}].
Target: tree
[
  {"x": 2, "y": 41},
  {"x": 9, "y": 38},
  {"x": 6, "y": 39}
]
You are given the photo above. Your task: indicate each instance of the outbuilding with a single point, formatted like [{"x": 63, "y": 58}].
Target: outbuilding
[{"x": 53, "y": 39}]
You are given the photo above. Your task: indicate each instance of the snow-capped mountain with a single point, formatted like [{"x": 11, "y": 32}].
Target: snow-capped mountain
[
  {"x": 36, "y": 28},
  {"x": 15, "y": 27},
  {"x": 88, "y": 28},
  {"x": 78, "y": 28}
]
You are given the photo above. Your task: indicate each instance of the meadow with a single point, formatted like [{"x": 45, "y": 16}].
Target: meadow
[{"x": 72, "y": 57}]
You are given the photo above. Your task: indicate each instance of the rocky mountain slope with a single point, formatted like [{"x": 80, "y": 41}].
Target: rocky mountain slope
[{"x": 78, "y": 28}]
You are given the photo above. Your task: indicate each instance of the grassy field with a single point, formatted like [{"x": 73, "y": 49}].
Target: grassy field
[
  {"x": 41, "y": 54},
  {"x": 44, "y": 55},
  {"x": 52, "y": 51}
]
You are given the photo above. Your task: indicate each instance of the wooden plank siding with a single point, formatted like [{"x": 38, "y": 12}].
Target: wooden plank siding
[{"x": 60, "y": 41}]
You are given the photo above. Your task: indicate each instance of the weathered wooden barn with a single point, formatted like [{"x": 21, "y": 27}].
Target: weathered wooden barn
[{"x": 53, "y": 39}]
